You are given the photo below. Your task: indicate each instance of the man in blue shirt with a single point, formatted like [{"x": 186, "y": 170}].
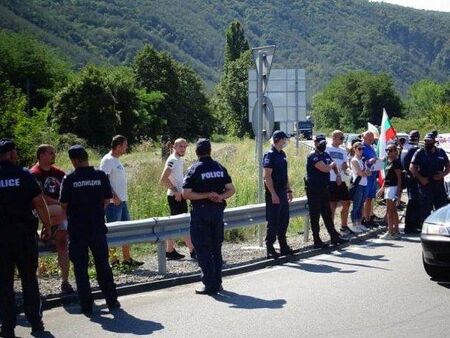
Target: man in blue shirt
[
  {"x": 318, "y": 167},
  {"x": 429, "y": 166},
  {"x": 84, "y": 195},
  {"x": 207, "y": 184},
  {"x": 278, "y": 195},
  {"x": 369, "y": 158}
]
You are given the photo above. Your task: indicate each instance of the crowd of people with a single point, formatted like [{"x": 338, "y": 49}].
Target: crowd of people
[{"x": 74, "y": 208}]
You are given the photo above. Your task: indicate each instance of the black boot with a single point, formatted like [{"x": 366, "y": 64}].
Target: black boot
[
  {"x": 318, "y": 244},
  {"x": 271, "y": 252},
  {"x": 336, "y": 240}
]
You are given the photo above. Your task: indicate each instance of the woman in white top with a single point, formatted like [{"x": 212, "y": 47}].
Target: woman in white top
[{"x": 359, "y": 173}]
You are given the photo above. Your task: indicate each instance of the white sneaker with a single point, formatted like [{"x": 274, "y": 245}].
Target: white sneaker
[
  {"x": 363, "y": 228},
  {"x": 355, "y": 229},
  {"x": 388, "y": 236}
]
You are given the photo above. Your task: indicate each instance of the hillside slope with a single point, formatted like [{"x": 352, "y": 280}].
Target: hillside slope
[{"x": 326, "y": 37}]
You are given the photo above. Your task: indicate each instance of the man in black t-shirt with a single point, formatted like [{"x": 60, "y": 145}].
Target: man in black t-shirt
[
  {"x": 429, "y": 166},
  {"x": 84, "y": 195},
  {"x": 318, "y": 167},
  {"x": 207, "y": 185},
  {"x": 19, "y": 195}
]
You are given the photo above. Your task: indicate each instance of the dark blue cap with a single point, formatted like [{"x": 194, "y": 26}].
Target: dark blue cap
[
  {"x": 430, "y": 137},
  {"x": 6, "y": 145},
  {"x": 278, "y": 135},
  {"x": 77, "y": 151},
  {"x": 320, "y": 138},
  {"x": 203, "y": 144}
]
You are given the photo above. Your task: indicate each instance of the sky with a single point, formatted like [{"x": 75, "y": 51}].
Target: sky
[{"x": 435, "y": 5}]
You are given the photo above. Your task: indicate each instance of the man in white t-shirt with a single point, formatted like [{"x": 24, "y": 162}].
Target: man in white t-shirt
[
  {"x": 172, "y": 178},
  {"x": 339, "y": 193},
  {"x": 117, "y": 210}
]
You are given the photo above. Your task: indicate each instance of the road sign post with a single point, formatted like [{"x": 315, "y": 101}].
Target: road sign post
[{"x": 263, "y": 57}]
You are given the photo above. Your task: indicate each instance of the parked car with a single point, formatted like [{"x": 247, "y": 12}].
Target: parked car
[
  {"x": 348, "y": 138},
  {"x": 435, "y": 239}
]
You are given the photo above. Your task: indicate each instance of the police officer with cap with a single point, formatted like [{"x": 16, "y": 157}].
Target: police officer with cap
[
  {"x": 429, "y": 166},
  {"x": 278, "y": 195},
  {"x": 19, "y": 195},
  {"x": 207, "y": 185},
  {"x": 84, "y": 195},
  {"x": 318, "y": 167},
  {"x": 412, "y": 215}
]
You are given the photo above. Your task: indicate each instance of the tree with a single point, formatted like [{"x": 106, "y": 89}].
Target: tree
[
  {"x": 87, "y": 107},
  {"x": 230, "y": 101},
  {"x": 12, "y": 107},
  {"x": 236, "y": 43},
  {"x": 184, "y": 110},
  {"x": 351, "y": 100},
  {"x": 424, "y": 96},
  {"x": 32, "y": 67}
]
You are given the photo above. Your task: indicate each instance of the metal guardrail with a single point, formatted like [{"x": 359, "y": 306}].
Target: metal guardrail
[{"x": 159, "y": 229}]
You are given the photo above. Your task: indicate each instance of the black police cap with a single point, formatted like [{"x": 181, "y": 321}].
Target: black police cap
[
  {"x": 278, "y": 135},
  {"x": 203, "y": 144},
  {"x": 77, "y": 151},
  {"x": 320, "y": 138},
  {"x": 430, "y": 137},
  {"x": 6, "y": 145}
]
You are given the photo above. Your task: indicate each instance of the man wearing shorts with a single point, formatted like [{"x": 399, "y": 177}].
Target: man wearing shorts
[
  {"x": 50, "y": 178},
  {"x": 369, "y": 158},
  {"x": 172, "y": 179},
  {"x": 117, "y": 210},
  {"x": 339, "y": 193}
]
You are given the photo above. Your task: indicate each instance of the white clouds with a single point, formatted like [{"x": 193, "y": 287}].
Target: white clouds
[{"x": 435, "y": 5}]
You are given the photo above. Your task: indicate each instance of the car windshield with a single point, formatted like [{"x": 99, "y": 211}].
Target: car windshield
[{"x": 440, "y": 216}]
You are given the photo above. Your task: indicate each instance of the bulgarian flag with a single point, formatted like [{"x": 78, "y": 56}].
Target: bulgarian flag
[{"x": 387, "y": 134}]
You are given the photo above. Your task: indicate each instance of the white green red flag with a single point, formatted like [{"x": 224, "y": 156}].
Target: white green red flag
[{"x": 387, "y": 134}]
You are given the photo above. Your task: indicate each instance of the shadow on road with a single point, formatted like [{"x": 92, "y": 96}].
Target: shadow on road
[
  {"x": 374, "y": 245},
  {"x": 119, "y": 321},
  {"x": 353, "y": 264},
  {"x": 360, "y": 257},
  {"x": 22, "y": 321},
  {"x": 317, "y": 268},
  {"x": 238, "y": 301},
  {"x": 123, "y": 322}
]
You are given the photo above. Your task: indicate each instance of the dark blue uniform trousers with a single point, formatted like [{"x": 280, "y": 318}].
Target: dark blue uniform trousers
[
  {"x": 78, "y": 253},
  {"x": 20, "y": 251},
  {"x": 277, "y": 216},
  {"x": 412, "y": 215},
  {"x": 207, "y": 237},
  {"x": 431, "y": 195}
]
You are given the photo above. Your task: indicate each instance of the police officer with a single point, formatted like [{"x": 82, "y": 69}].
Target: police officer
[
  {"x": 318, "y": 167},
  {"x": 84, "y": 195},
  {"x": 19, "y": 195},
  {"x": 207, "y": 184},
  {"x": 429, "y": 166},
  {"x": 278, "y": 195},
  {"x": 412, "y": 216}
]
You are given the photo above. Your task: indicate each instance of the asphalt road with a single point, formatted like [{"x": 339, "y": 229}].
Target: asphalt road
[{"x": 375, "y": 289}]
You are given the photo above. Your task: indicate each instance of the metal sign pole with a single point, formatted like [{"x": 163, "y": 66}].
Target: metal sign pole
[
  {"x": 296, "y": 113},
  {"x": 259, "y": 140}
]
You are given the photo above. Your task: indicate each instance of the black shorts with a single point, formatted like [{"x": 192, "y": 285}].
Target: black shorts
[
  {"x": 176, "y": 207},
  {"x": 339, "y": 193}
]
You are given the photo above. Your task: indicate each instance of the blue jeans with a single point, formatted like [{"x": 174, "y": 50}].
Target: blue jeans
[
  {"x": 117, "y": 213},
  {"x": 358, "y": 202}
]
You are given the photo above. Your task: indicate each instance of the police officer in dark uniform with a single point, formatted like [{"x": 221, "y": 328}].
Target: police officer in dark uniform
[
  {"x": 278, "y": 195},
  {"x": 84, "y": 195},
  {"x": 207, "y": 184},
  {"x": 412, "y": 215},
  {"x": 429, "y": 166},
  {"x": 318, "y": 167},
  {"x": 19, "y": 195}
]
